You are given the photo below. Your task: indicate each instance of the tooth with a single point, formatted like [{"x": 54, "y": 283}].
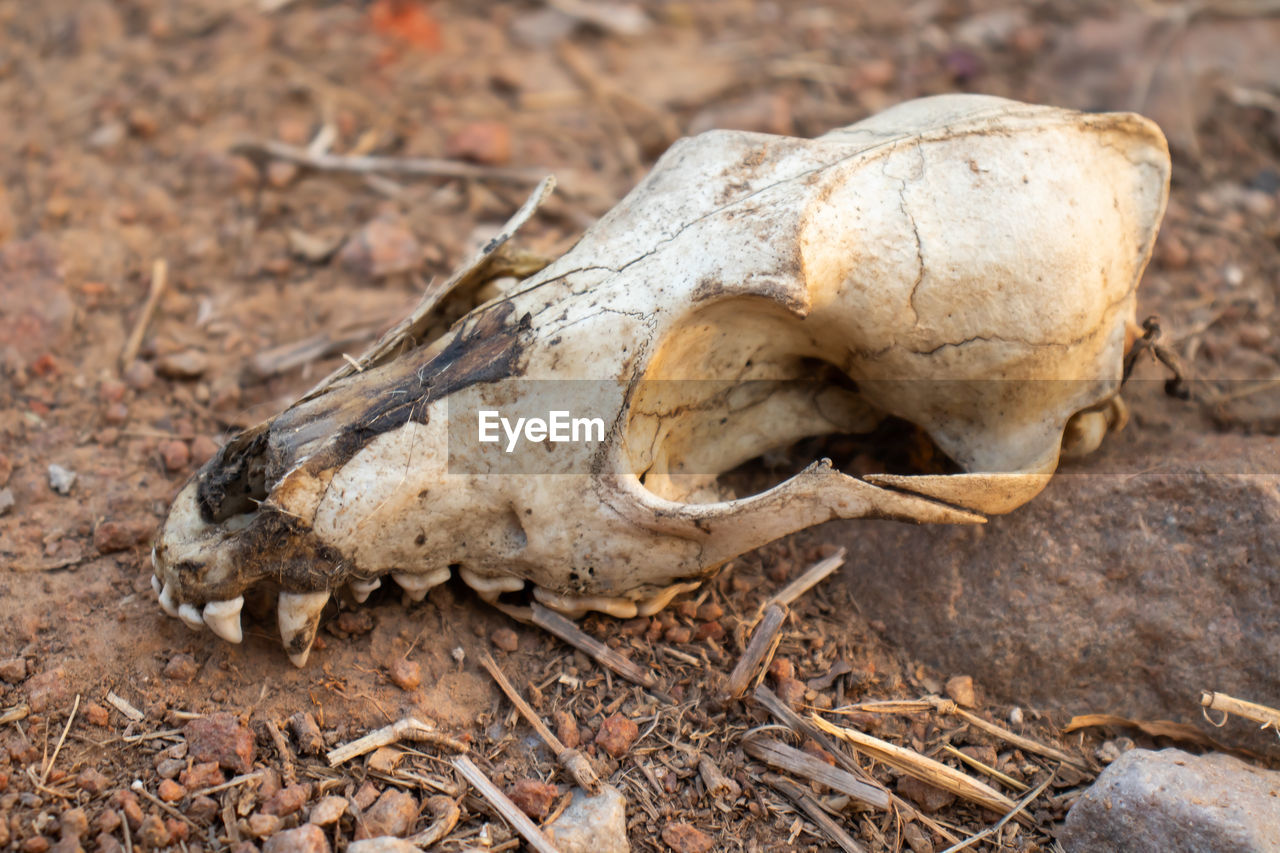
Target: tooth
[
  {"x": 491, "y": 588},
  {"x": 155, "y": 584},
  {"x": 652, "y": 605},
  {"x": 166, "y": 600},
  {"x": 153, "y": 560},
  {"x": 223, "y": 618},
  {"x": 360, "y": 590},
  {"x": 299, "y": 614},
  {"x": 190, "y": 614},
  {"x": 417, "y": 586},
  {"x": 573, "y": 606}
]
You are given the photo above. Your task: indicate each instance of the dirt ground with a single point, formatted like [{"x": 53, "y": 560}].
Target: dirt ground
[{"x": 117, "y": 121}]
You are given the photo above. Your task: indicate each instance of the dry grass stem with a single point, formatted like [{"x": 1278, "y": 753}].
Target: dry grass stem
[
  {"x": 230, "y": 783},
  {"x": 1010, "y": 815},
  {"x": 762, "y": 640},
  {"x": 509, "y": 811},
  {"x": 551, "y": 621},
  {"x": 1269, "y": 717},
  {"x": 14, "y": 714},
  {"x": 138, "y": 787},
  {"x": 813, "y": 811},
  {"x": 1003, "y": 779},
  {"x": 571, "y": 760},
  {"x": 409, "y": 728},
  {"x": 159, "y": 283},
  {"x": 925, "y": 769},
  {"x": 811, "y": 577},
  {"x": 777, "y": 754},
  {"x": 365, "y": 164},
  {"x": 123, "y": 706},
  {"x": 48, "y": 767}
]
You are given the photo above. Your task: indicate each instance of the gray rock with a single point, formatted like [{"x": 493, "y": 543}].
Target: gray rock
[
  {"x": 61, "y": 479},
  {"x": 1133, "y": 582},
  {"x": 1171, "y": 801},
  {"x": 592, "y": 824}
]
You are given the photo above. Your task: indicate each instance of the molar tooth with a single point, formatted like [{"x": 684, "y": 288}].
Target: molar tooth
[
  {"x": 166, "y": 600},
  {"x": 299, "y": 614},
  {"x": 190, "y": 615},
  {"x": 223, "y": 618},
  {"x": 417, "y": 586},
  {"x": 490, "y": 588},
  {"x": 360, "y": 590},
  {"x": 574, "y": 606},
  {"x": 663, "y": 597}
]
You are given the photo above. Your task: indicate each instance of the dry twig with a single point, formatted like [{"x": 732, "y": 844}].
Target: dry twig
[
  {"x": 570, "y": 759},
  {"x": 925, "y": 769},
  {"x": 407, "y": 729},
  {"x": 777, "y": 754},
  {"x": 510, "y": 812},
  {"x": 1009, "y": 815},
  {"x": 421, "y": 167},
  {"x": 801, "y": 798},
  {"x": 48, "y": 768},
  {"x": 159, "y": 282},
  {"x": 762, "y": 642},
  {"x": 123, "y": 706},
  {"x": 1269, "y": 717},
  {"x": 551, "y": 621},
  {"x": 810, "y": 578}
]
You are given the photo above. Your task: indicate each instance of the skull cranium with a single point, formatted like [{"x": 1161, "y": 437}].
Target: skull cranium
[{"x": 965, "y": 263}]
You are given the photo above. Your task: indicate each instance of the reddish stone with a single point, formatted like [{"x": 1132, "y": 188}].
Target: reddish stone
[
  {"x": 13, "y": 670},
  {"x": 127, "y": 802},
  {"x": 790, "y": 690},
  {"x": 73, "y": 823},
  {"x": 381, "y": 248},
  {"x": 202, "y": 809},
  {"x": 264, "y": 825},
  {"x": 710, "y": 611},
  {"x": 92, "y": 782},
  {"x": 221, "y": 738},
  {"x": 47, "y": 690},
  {"x": 203, "y": 449},
  {"x": 393, "y": 814},
  {"x": 505, "y": 639},
  {"x": 406, "y": 674},
  {"x": 170, "y": 791},
  {"x": 616, "y": 735},
  {"x": 709, "y": 631},
  {"x": 307, "y": 838},
  {"x": 534, "y": 797},
  {"x": 153, "y": 833},
  {"x": 683, "y": 838},
  {"x": 96, "y": 715},
  {"x": 679, "y": 634},
  {"x": 181, "y": 667},
  {"x": 175, "y": 455},
  {"x": 288, "y": 800},
  {"x": 567, "y": 728},
  {"x": 486, "y": 142},
  {"x": 203, "y": 775},
  {"x": 782, "y": 668}
]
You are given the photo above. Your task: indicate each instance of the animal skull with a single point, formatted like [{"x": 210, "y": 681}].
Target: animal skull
[{"x": 969, "y": 263}]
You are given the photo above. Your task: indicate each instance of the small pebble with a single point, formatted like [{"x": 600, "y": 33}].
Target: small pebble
[
  {"x": 96, "y": 715},
  {"x": 505, "y": 639},
  {"x": 328, "y": 810},
  {"x": 406, "y": 674},
  {"x": 264, "y": 825},
  {"x": 181, "y": 667},
  {"x": 170, "y": 791},
  {"x": 960, "y": 689},
  {"x": 175, "y": 454},
  {"x": 616, "y": 735},
  {"x": 685, "y": 838},
  {"x": 61, "y": 479},
  {"x": 13, "y": 670},
  {"x": 534, "y": 797},
  {"x": 393, "y": 814},
  {"x": 567, "y": 728},
  {"x": 139, "y": 376},
  {"x": 203, "y": 449}
]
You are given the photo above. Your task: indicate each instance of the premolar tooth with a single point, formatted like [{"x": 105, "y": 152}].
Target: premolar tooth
[
  {"x": 190, "y": 615},
  {"x": 490, "y": 588},
  {"x": 573, "y": 606},
  {"x": 166, "y": 600},
  {"x": 299, "y": 614},
  {"x": 417, "y": 586},
  {"x": 223, "y": 618},
  {"x": 360, "y": 590}
]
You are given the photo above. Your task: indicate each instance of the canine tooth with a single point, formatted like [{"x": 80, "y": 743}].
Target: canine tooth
[
  {"x": 490, "y": 588},
  {"x": 652, "y": 605},
  {"x": 299, "y": 614},
  {"x": 223, "y": 618},
  {"x": 573, "y": 606},
  {"x": 360, "y": 590},
  {"x": 417, "y": 586},
  {"x": 166, "y": 600},
  {"x": 156, "y": 585},
  {"x": 190, "y": 615}
]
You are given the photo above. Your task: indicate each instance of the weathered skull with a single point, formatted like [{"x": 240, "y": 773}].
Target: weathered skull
[{"x": 965, "y": 263}]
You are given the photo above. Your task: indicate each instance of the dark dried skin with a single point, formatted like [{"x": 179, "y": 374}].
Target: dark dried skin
[{"x": 323, "y": 434}]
